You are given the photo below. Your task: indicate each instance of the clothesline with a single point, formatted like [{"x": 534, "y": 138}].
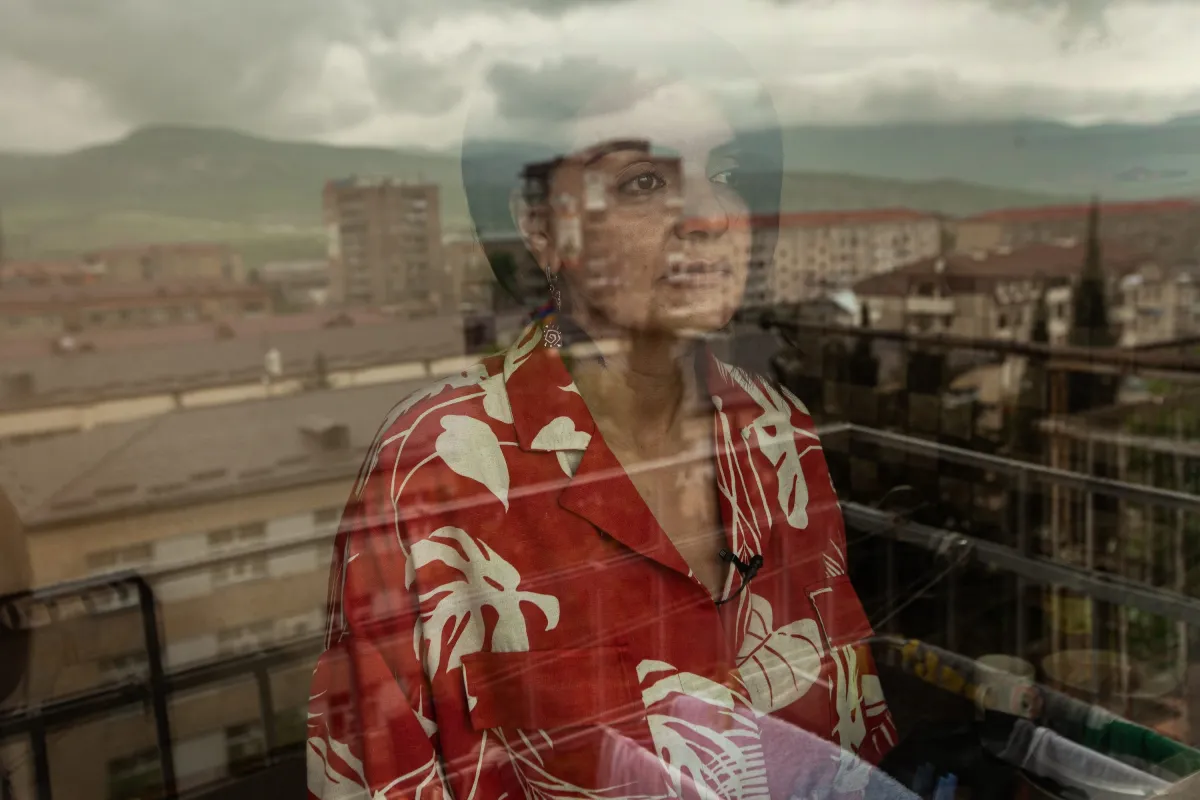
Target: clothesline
[{"x": 1084, "y": 724}]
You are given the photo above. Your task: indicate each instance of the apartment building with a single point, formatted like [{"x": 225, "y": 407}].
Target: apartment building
[
  {"x": 1158, "y": 305},
  {"x": 229, "y": 513},
  {"x": 155, "y": 263},
  {"x": 48, "y": 272},
  {"x": 51, "y": 311},
  {"x": 1168, "y": 230},
  {"x": 385, "y": 246},
  {"x": 822, "y": 251},
  {"x": 994, "y": 295},
  {"x": 991, "y": 295}
]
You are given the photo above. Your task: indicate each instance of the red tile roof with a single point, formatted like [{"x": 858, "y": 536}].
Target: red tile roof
[
  {"x": 866, "y": 216},
  {"x": 161, "y": 248},
  {"x": 1045, "y": 213},
  {"x": 964, "y": 273}
]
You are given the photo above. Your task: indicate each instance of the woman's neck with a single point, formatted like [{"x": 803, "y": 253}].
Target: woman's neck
[{"x": 636, "y": 394}]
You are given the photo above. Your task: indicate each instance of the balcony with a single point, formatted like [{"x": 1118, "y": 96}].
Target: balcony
[
  {"x": 938, "y": 306},
  {"x": 934, "y": 581},
  {"x": 952, "y": 545}
]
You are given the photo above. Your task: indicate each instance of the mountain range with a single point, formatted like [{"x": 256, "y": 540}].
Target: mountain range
[{"x": 264, "y": 196}]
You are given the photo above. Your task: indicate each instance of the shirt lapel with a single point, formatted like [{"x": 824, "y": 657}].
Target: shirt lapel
[
  {"x": 747, "y": 483},
  {"x": 549, "y": 415}
]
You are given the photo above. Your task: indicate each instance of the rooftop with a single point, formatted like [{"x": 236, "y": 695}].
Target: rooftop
[
  {"x": 96, "y": 294},
  {"x": 186, "y": 365},
  {"x": 1046, "y": 213},
  {"x": 159, "y": 248},
  {"x": 105, "y": 340},
  {"x": 196, "y": 455},
  {"x": 868, "y": 216},
  {"x": 963, "y": 273}
]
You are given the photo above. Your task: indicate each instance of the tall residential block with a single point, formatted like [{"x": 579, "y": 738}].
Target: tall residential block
[{"x": 385, "y": 246}]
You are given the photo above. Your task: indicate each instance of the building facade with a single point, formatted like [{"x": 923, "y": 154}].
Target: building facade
[
  {"x": 234, "y": 538},
  {"x": 992, "y": 295},
  {"x": 1168, "y": 230},
  {"x": 49, "y": 311},
  {"x": 385, "y": 246},
  {"x": 158, "y": 263},
  {"x": 823, "y": 251},
  {"x": 1159, "y": 305}
]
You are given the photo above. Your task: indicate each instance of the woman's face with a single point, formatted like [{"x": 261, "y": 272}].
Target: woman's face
[{"x": 652, "y": 241}]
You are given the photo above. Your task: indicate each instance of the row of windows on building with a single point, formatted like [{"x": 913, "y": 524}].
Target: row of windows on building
[
  {"x": 154, "y": 315},
  {"x": 249, "y": 536},
  {"x": 226, "y": 642},
  {"x": 230, "y": 751}
]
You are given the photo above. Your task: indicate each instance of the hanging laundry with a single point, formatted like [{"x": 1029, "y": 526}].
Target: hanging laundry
[{"x": 1045, "y": 753}]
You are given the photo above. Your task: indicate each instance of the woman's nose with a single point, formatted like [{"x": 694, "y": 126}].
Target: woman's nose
[{"x": 702, "y": 214}]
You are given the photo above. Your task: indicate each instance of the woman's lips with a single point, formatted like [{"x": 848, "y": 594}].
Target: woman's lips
[{"x": 681, "y": 272}]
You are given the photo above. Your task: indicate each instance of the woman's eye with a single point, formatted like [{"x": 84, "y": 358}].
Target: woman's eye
[
  {"x": 728, "y": 177},
  {"x": 643, "y": 184}
]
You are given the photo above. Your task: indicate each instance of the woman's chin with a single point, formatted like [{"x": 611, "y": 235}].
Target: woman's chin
[{"x": 700, "y": 317}]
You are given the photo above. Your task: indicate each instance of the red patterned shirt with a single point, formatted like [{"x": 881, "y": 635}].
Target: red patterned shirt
[{"x": 504, "y": 606}]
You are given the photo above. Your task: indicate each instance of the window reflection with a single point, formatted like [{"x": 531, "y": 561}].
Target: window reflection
[{"x": 606, "y": 400}]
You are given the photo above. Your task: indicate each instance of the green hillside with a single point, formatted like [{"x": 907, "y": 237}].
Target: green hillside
[{"x": 264, "y": 196}]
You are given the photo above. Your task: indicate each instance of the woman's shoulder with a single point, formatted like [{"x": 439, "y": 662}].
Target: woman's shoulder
[
  {"x": 739, "y": 387},
  {"x": 409, "y": 430}
]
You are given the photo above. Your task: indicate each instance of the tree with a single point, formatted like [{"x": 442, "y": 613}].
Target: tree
[
  {"x": 1025, "y": 440},
  {"x": 1090, "y": 326},
  {"x": 864, "y": 366}
]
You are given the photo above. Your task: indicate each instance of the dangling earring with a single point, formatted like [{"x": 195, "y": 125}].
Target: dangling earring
[{"x": 551, "y": 335}]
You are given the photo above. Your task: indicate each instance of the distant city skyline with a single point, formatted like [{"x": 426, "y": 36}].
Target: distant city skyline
[{"x": 402, "y": 73}]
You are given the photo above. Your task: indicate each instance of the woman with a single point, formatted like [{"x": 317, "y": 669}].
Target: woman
[{"x": 572, "y": 553}]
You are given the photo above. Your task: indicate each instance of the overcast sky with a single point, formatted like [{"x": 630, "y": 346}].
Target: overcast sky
[{"x": 404, "y": 72}]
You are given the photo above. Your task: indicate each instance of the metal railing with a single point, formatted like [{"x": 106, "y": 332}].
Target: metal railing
[{"x": 158, "y": 686}]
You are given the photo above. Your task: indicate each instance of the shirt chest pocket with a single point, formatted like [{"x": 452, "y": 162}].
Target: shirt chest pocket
[
  {"x": 548, "y": 689},
  {"x": 562, "y": 709}
]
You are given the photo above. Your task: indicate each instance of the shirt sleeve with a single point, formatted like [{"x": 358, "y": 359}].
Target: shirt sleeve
[{"x": 371, "y": 729}]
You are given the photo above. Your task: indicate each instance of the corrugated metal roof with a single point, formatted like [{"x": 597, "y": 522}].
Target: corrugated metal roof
[
  {"x": 194, "y": 455},
  {"x": 85, "y": 377}
]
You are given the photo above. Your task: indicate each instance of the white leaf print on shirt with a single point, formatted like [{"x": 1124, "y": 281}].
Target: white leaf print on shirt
[
  {"x": 495, "y": 399},
  {"x": 746, "y": 529},
  {"x": 560, "y": 435},
  {"x": 778, "y": 667},
  {"x": 538, "y": 783},
  {"x": 851, "y": 724},
  {"x": 471, "y": 448},
  {"x": 469, "y": 377},
  {"x": 520, "y": 352},
  {"x": 719, "y": 751},
  {"x": 777, "y": 441},
  {"x": 454, "y": 614},
  {"x": 327, "y": 783}
]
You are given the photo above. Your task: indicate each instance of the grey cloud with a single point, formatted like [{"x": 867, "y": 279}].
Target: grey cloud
[
  {"x": 941, "y": 96},
  {"x": 217, "y": 62},
  {"x": 246, "y": 63},
  {"x": 555, "y": 91},
  {"x": 1078, "y": 18},
  {"x": 406, "y": 83}
]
